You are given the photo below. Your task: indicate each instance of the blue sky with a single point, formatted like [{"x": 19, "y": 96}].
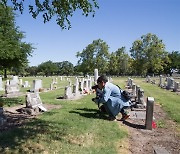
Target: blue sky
[{"x": 117, "y": 22}]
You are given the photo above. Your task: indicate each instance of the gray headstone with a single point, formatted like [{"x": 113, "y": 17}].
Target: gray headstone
[{"x": 149, "y": 113}]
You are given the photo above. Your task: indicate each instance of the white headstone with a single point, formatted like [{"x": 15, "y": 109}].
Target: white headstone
[
  {"x": 37, "y": 84},
  {"x": 95, "y": 75},
  {"x": 1, "y": 83}
]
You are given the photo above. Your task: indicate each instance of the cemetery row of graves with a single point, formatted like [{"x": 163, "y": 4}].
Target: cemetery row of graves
[{"x": 74, "y": 89}]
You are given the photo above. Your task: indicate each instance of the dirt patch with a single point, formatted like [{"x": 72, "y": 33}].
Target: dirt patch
[
  {"x": 143, "y": 141},
  {"x": 16, "y": 119}
]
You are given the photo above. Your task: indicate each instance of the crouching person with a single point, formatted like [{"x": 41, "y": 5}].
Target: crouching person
[{"x": 110, "y": 96}]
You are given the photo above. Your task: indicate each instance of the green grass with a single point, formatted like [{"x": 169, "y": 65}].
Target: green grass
[
  {"x": 169, "y": 100},
  {"x": 76, "y": 127}
]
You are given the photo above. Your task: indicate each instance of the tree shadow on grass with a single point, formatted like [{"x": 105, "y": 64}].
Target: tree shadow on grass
[
  {"x": 15, "y": 137},
  {"x": 90, "y": 113}
]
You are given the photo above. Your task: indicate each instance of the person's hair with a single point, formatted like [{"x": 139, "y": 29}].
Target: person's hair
[{"x": 102, "y": 78}]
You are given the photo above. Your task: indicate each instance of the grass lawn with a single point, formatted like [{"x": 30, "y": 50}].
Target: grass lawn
[{"x": 77, "y": 127}]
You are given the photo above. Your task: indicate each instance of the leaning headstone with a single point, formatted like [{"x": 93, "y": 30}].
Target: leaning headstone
[
  {"x": 149, "y": 113},
  {"x": 33, "y": 101}
]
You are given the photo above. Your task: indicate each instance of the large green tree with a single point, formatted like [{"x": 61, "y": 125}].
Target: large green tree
[
  {"x": 174, "y": 56},
  {"x": 65, "y": 68},
  {"x": 149, "y": 55},
  {"x": 95, "y": 55},
  {"x": 61, "y": 10},
  {"x": 13, "y": 51},
  {"x": 47, "y": 68}
]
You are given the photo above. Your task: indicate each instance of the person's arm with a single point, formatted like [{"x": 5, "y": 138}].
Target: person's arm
[{"x": 105, "y": 96}]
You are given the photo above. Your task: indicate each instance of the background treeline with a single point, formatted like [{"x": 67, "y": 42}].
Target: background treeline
[{"x": 147, "y": 55}]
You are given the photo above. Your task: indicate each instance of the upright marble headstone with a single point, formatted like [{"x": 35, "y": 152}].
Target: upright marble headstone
[
  {"x": 15, "y": 79},
  {"x": 37, "y": 85},
  {"x": 1, "y": 84},
  {"x": 149, "y": 113},
  {"x": 68, "y": 93},
  {"x": 95, "y": 75},
  {"x": 160, "y": 81},
  {"x": 176, "y": 86}
]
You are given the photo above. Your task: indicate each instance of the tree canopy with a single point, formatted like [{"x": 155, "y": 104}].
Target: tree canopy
[
  {"x": 149, "y": 55},
  {"x": 60, "y": 9},
  {"x": 95, "y": 55},
  {"x": 14, "y": 52}
]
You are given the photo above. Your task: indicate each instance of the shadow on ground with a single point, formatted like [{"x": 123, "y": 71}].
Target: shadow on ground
[{"x": 89, "y": 113}]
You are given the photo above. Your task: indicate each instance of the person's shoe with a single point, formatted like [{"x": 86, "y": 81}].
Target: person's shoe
[
  {"x": 124, "y": 117},
  {"x": 112, "y": 118}
]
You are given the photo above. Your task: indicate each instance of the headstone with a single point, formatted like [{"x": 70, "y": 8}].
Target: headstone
[
  {"x": 137, "y": 89},
  {"x": 68, "y": 93},
  {"x": 33, "y": 100},
  {"x": 176, "y": 86},
  {"x": 170, "y": 83},
  {"x": 160, "y": 81},
  {"x": 26, "y": 84},
  {"x": 149, "y": 113},
  {"x": 141, "y": 97},
  {"x": 12, "y": 87},
  {"x": 1, "y": 84},
  {"x": 37, "y": 85},
  {"x": 95, "y": 75},
  {"x": 15, "y": 79},
  {"x": 20, "y": 82},
  {"x": 134, "y": 90}
]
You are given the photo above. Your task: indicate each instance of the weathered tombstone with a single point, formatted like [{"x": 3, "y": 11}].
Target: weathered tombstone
[
  {"x": 15, "y": 79},
  {"x": 149, "y": 113},
  {"x": 20, "y": 82},
  {"x": 26, "y": 84},
  {"x": 68, "y": 93},
  {"x": 170, "y": 83},
  {"x": 11, "y": 87},
  {"x": 51, "y": 86},
  {"x": 133, "y": 90},
  {"x": 137, "y": 89},
  {"x": 141, "y": 97},
  {"x": 95, "y": 75},
  {"x": 37, "y": 85},
  {"x": 160, "y": 81},
  {"x": 176, "y": 86},
  {"x": 33, "y": 101}
]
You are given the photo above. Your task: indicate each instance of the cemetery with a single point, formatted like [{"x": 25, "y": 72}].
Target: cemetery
[
  {"x": 39, "y": 100},
  {"x": 118, "y": 94}
]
